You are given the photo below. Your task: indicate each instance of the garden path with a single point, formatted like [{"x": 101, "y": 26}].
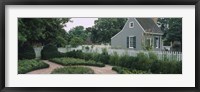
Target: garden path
[
  {"x": 97, "y": 70},
  {"x": 48, "y": 70}
]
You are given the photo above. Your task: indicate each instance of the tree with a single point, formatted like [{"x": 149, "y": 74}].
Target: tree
[
  {"x": 172, "y": 28},
  {"x": 105, "y": 28},
  {"x": 76, "y": 41},
  {"x": 41, "y": 30},
  {"x": 78, "y": 31}
]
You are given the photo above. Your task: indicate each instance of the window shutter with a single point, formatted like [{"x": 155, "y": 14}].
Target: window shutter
[
  {"x": 158, "y": 42},
  {"x": 127, "y": 42},
  {"x": 134, "y": 41},
  {"x": 154, "y": 42}
]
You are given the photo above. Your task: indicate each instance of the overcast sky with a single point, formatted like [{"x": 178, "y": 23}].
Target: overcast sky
[{"x": 85, "y": 22}]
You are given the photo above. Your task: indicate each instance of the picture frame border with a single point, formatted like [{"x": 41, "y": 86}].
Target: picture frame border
[{"x": 99, "y": 2}]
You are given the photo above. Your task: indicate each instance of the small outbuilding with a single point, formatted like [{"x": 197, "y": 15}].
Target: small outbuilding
[{"x": 138, "y": 34}]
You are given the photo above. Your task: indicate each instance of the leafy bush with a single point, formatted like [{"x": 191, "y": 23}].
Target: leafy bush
[
  {"x": 73, "y": 70},
  {"x": 73, "y": 61},
  {"x": 127, "y": 61},
  {"x": 153, "y": 56},
  {"x": 142, "y": 62},
  {"x": 75, "y": 54},
  {"x": 104, "y": 57},
  {"x": 25, "y": 66},
  {"x": 114, "y": 59},
  {"x": 26, "y": 52},
  {"x": 121, "y": 70},
  {"x": 50, "y": 51},
  {"x": 76, "y": 41},
  {"x": 166, "y": 67}
]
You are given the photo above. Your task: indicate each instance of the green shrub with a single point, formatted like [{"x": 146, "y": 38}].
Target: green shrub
[
  {"x": 50, "y": 51},
  {"x": 73, "y": 61},
  {"x": 75, "y": 54},
  {"x": 142, "y": 62},
  {"x": 76, "y": 41},
  {"x": 96, "y": 57},
  {"x": 127, "y": 61},
  {"x": 121, "y": 70},
  {"x": 73, "y": 70},
  {"x": 114, "y": 59},
  {"x": 87, "y": 56},
  {"x": 104, "y": 57},
  {"x": 166, "y": 67},
  {"x": 26, "y": 52},
  {"x": 153, "y": 56},
  {"x": 25, "y": 66}
]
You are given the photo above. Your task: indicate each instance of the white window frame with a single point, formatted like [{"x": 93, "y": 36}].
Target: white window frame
[
  {"x": 157, "y": 44},
  {"x": 130, "y": 25},
  {"x": 130, "y": 41}
]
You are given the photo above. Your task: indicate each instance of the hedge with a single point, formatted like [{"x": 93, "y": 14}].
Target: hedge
[
  {"x": 26, "y": 52},
  {"x": 73, "y": 70},
  {"x": 25, "y": 66}
]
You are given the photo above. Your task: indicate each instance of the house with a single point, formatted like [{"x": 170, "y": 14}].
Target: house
[{"x": 138, "y": 34}]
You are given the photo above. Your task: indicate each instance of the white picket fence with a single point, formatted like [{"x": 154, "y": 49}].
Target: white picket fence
[{"x": 162, "y": 55}]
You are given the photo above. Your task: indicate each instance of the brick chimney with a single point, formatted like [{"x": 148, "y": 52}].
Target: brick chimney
[{"x": 155, "y": 20}]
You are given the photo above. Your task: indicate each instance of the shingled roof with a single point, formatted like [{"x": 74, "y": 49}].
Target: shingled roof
[{"x": 149, "y": 25}]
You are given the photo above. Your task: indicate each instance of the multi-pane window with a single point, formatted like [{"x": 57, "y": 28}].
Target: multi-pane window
[{"x": 132, "y": 42}]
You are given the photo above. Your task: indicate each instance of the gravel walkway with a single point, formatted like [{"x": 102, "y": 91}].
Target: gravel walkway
[
  {"x": 48, "y": 70},
  {"x": 97, "y": 70}
]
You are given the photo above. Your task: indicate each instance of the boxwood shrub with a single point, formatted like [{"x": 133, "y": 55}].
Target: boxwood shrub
[
  {"x": 26, "y": 52},
  {"x": 122, "y": 70},
  {"x": 73, "y": 70},
  {"x": 73, "y": 61},
  {"x": 51, "y": 51},
  {"x": 25, "y": 66}
]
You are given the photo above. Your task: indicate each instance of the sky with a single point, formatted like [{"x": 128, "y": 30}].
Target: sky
[{"x": 85, "y": 22}]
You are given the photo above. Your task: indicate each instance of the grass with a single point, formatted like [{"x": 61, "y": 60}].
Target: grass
[
  {"x": 25, "y": 66},
  {"x": 73, "y": 61},
  {"x": 122, "y": 70},
  {"x": 73, "y": 70}
]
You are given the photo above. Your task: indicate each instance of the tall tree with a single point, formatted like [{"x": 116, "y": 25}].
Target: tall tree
[
  {"x": 42, "y": 30},
  {"x": 172, "y": 28},
  {"x": 105, "y": 28}
]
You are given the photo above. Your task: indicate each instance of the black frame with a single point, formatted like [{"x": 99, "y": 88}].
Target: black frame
[{"x": 3, "y": 3}]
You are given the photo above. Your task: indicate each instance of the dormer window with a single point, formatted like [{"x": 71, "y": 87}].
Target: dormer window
[{"x": 131, "y": 24}]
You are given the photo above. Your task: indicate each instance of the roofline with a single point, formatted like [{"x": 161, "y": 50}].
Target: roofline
[
  {"x": 121, "y": 30},
  {"x": 153, "y": 33},
  {"x": 140, "y": 26}
]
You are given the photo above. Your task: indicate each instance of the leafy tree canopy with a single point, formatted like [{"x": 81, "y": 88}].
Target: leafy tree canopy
[{"x": 42, "y": 31}]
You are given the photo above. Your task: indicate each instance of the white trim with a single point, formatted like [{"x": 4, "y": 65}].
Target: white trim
[
  {"x": 139, "y": 25},
  {"x": 134, "y": 24},
  {"x": 122, "y": 29},
  {"x": 130, "y": 24},
  {"x": 153, "y": 33},
  {"x": 158, "y": 42},
  {"x": 129, "y": 41}
]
